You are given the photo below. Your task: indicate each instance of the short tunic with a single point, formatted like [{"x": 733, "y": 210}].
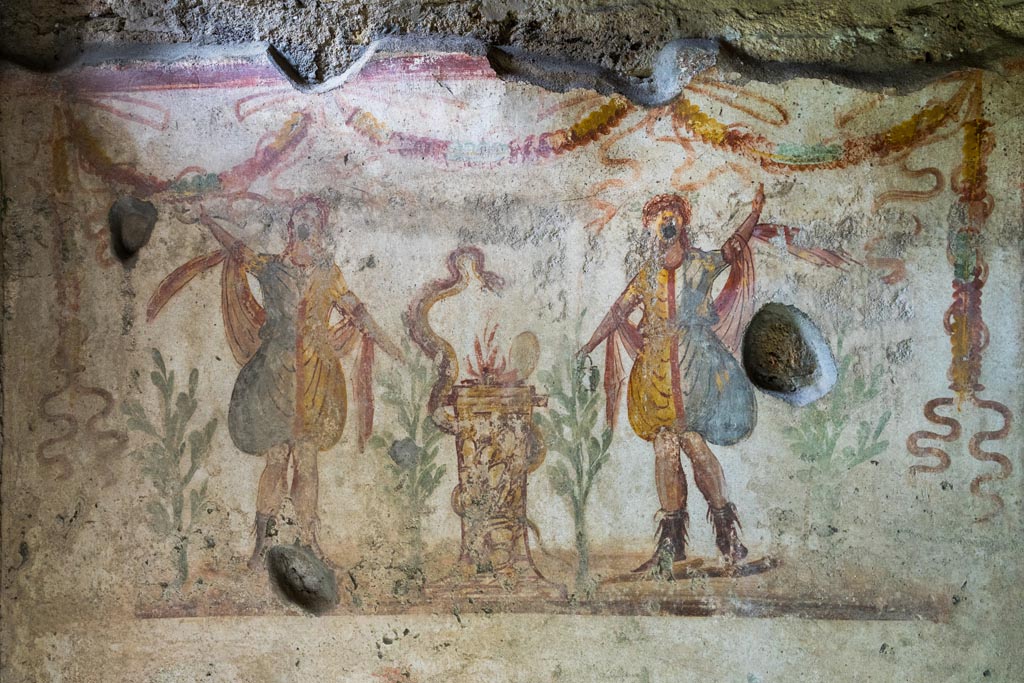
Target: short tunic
[
  {"x": 293, "y": 388},
  {"x": 684, "y": 378}
]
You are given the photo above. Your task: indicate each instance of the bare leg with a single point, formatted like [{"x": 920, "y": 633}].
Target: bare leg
[
  {"x": 270, "y": 495},
  {"x": 707, "y": 471},
  {"x": 273, "y": 484},
  {"x": 305, "y": 491},
  {"x": 668, "y": 472},
  {"x": 670, "y": 481}
]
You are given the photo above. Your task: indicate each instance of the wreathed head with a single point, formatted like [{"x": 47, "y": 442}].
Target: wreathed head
[
  {"x": 307, "y": 229},
  {"x": 667, "y": 217}
]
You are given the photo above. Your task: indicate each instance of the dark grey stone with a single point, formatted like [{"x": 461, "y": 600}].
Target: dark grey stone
[
  {"x": 787, "y": 356},
  {"x": 131, "y": 223},
  {"x": 302, "y": 578}
]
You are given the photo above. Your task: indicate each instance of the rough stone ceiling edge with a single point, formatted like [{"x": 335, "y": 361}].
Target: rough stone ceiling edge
[{"x": 675, "y": 65}]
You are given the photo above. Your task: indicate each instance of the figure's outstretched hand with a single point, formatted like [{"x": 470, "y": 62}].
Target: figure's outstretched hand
[
  {"x": 758, "y": 202},
  {"x": 350, "y": 305}
]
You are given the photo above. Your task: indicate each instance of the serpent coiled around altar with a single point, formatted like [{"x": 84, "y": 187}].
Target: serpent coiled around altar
[{"x": 461, "y": 262}]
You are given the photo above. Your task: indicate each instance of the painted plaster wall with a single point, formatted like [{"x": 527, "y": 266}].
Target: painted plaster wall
[{"x": 415, "y": 158}]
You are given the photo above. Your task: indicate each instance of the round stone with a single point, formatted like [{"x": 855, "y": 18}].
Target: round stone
[
  {"x": 786, "y": 355},
  {"x": 302, "y": 578},
  {"x": 131, "y": 224}
]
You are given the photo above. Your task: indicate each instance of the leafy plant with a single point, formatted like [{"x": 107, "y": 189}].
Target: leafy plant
[
  {"x": 412, "y": 453},
  {"x": 817, "y": 435},
  {"x": 171, "y": 460},
  {"x": 569, "y": 429}
]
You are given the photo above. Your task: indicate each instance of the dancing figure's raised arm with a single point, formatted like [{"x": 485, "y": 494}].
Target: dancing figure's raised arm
[
  {"x": 746, "y": 229},
  {"x": 232, "y": 244}
]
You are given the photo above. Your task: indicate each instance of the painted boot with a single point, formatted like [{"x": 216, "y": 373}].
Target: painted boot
[
  {"x": 726, "y": 536},
  {"x": 671, "y": 545},
  {"x": 266, "y": 526}
]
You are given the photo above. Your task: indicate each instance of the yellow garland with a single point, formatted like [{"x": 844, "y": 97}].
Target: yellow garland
[
  {"x": 702, "y": 125},
  {"x": 972, "y": 171},
  {"x": 921, "y": 123},
  {"x": 605, "y": 115}
]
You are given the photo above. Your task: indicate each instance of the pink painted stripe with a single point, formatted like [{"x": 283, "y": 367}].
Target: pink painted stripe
[
  {"x": 158, "y": 76},
  {"x": 441, "y": 66},
  {"x": 161, "y": 76}
]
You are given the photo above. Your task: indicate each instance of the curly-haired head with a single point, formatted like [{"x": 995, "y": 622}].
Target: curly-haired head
[{"x": 666, "y": 202}]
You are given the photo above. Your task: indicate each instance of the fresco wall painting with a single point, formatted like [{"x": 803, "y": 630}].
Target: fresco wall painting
[{"x": 472, "y": 345}]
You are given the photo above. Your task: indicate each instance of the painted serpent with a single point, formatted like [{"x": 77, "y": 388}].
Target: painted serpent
[{"x": 462, "y": 263}]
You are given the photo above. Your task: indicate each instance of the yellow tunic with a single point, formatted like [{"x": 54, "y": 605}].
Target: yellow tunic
[
  {"x": 684, "y": 378},
  {"x": 650, "y": 401}
]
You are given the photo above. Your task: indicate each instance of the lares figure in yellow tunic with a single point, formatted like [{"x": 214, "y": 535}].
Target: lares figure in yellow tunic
[
  {"x": 290, "y": 400},
  {"x": 686, "y": 388}
]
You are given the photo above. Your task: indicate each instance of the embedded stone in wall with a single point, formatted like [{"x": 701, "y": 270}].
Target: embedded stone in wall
[
  {"x": 131, "y": 224},
  {"x": 302, "y": 578},
  {"x": 786, "y": 355}
]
